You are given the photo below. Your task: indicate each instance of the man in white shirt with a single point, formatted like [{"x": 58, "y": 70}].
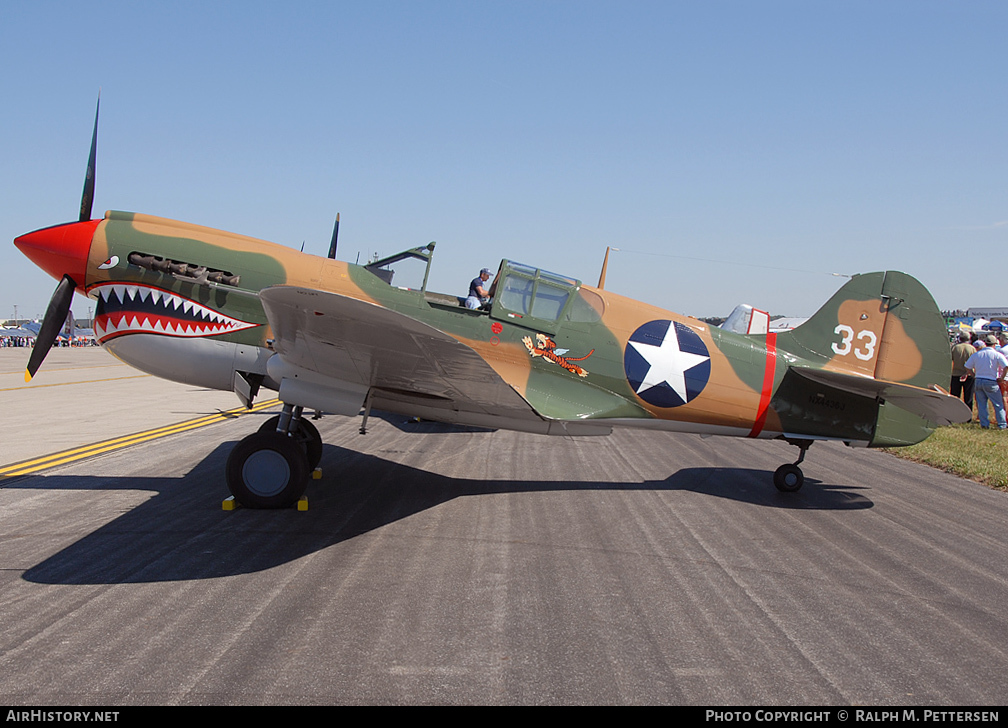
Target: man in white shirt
[
  {"x": 989, "y": 367},
  {"x": 1003, "y": 344}
]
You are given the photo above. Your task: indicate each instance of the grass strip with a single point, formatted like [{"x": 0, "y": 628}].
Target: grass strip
[{"x": 966, "y": 450}]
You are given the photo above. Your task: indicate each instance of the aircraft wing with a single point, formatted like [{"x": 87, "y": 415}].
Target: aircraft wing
[
  {"x": 931, "y": 404},
  {"x": 408, "y": 366}
]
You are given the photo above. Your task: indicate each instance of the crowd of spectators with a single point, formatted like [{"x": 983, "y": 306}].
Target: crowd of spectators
[
  {"x": 979, "y": 366},
  {"x": 16, "y": 341}
]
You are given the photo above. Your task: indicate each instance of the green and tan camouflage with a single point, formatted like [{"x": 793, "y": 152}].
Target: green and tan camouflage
[{"x": 549, "y": 354}]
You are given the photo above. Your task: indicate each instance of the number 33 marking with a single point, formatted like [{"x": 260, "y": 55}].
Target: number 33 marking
[{"x": 867, "y": 338}]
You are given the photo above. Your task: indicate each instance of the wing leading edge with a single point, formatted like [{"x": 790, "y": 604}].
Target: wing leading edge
[{"x": 331, "y": 343}]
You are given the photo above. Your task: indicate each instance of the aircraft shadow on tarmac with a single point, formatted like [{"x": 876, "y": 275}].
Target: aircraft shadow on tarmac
[{"x": 182, "y": 533}]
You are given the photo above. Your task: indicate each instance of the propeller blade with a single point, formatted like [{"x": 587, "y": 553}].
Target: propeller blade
[
  {"x": 87, "y": 199},
  {"x": 56, "y": 313},
  {"x": 335, "y": 234}
]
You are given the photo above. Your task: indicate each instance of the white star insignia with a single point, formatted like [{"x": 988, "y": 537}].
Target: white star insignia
[{"x": 668, "y": 363}]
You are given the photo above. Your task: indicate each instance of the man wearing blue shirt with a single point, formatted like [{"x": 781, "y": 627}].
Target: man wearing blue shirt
[
  {"x": 989, "y": 366},
  {"x": 477, "y": 293}
]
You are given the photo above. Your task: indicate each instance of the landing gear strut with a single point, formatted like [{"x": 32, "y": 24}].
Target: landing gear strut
[
  {"x": 304, "y": 432},
  {"x": 788, "y": 477},
  {"x": 270, "y": 468}
]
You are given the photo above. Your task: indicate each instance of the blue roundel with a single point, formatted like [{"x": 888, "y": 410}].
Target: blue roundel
[{"x": 666, "y": 363}]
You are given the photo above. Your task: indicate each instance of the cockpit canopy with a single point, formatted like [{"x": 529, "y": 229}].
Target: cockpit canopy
[
  {"x": 526, "y": 291},
  {"x": 520, "y": 293},
  {"x": 540, "y": 300}
]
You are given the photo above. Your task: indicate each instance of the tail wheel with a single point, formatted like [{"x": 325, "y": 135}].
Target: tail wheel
[
  {"x": 788, "y": 478},
  {"x": 267, "y": 470},
  {"x": 305, "y": 434}
]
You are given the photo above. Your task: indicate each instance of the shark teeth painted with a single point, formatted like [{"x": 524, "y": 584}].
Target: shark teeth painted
[{"x": 131, "y": 308}]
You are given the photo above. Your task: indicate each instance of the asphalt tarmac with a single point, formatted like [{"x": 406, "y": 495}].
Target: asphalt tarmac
[
  {"x": 445, "y": 565},
  {"x": 81, "y": 395}
]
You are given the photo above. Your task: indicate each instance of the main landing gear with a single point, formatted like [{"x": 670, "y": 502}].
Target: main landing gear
[
  {"x": 270, "y": 468},
  {"x": 788, "y": 477}
]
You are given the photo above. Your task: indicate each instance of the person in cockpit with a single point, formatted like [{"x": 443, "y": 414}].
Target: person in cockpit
[{"x": 478, "y": 294}]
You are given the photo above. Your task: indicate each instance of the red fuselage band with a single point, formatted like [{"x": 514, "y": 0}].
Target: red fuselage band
[{"x": 768, "y": 380}]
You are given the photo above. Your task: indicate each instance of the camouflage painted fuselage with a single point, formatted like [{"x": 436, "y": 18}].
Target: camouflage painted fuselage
[{"x": 551, "y": 355}]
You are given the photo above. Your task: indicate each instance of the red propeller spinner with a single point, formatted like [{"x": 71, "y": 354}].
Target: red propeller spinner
[{"x": 60, "y": 250}]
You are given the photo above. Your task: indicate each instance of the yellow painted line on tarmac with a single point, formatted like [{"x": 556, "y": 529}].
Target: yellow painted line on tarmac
[
  {"x": 79, "y": 453},
  {"x": 81, "y": 381},
  {"x": 70, "y": 369}
]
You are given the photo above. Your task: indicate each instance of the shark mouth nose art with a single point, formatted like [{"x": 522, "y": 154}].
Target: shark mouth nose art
[{"x": 129, "y": 308}]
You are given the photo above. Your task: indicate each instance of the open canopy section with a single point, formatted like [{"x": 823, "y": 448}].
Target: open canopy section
[{"x": 407, "y": 270}]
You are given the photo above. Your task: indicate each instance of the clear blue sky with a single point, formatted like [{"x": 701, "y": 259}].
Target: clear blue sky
[{"x": 734, "y": 151}]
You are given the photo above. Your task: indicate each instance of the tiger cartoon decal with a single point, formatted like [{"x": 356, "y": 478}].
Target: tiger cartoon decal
[{"x": 545, "y": 347}]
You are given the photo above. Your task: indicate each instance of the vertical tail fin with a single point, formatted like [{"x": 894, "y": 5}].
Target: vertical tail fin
[
  {"x": 882, "y": 339},
  {"x": 882, "y": 325}
]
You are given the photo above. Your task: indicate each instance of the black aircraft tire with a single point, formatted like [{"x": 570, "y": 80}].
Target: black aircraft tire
[
  {"x": 788, "y": 478},
  {"x": 307, "y": 436},
  {"x": 267, "y": 470}
]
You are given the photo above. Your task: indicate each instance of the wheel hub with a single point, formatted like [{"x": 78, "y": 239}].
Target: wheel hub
[{"x": 266, "y": 473}]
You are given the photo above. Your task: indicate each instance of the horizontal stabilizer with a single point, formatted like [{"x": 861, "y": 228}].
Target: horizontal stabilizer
[{"x": 931, "y": 404}]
